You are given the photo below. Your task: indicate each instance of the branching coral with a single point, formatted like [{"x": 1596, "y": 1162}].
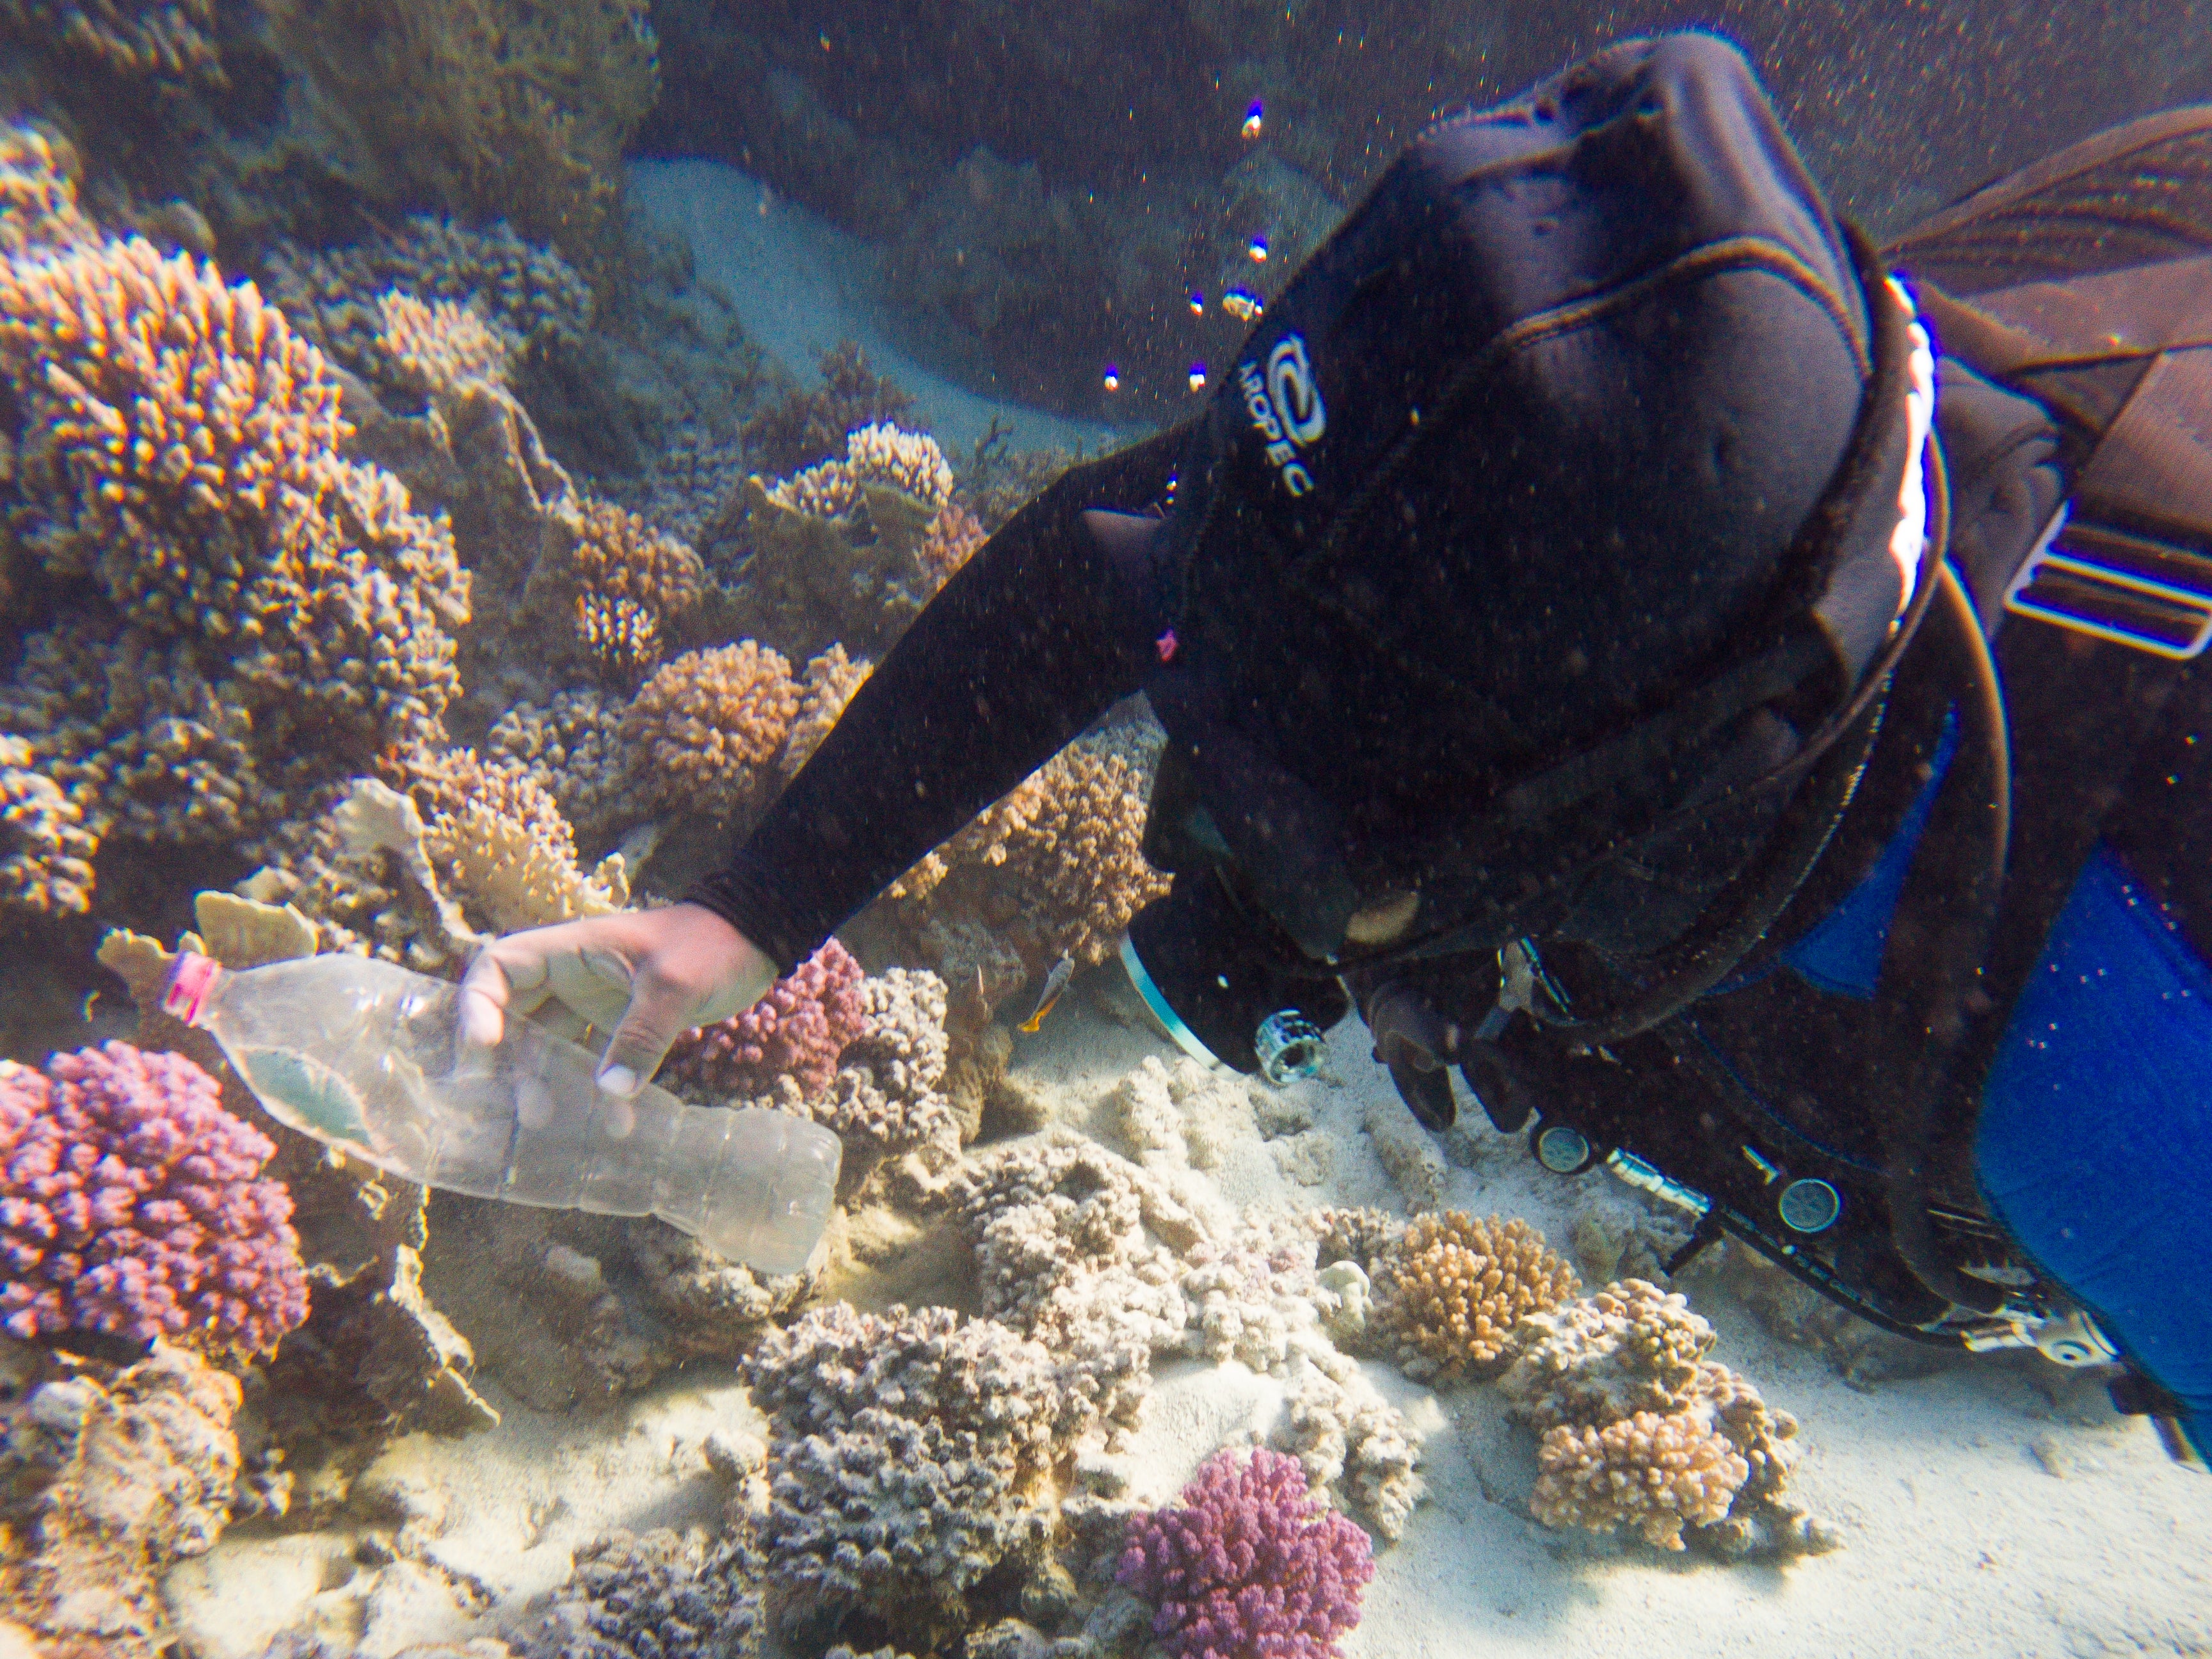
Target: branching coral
[
  {"x": 169, "y": 38},
  {"x": 1054, "y": 868},
  {"x": 129, "y": 1204},
  {"x": 954, "y": 536},
  {"x": 572, "y": 748},
  {"x": 281, "y": 613},
  {"x": 1452, "y": 1291},
  {"x": 332, "y": 296},
  {"x": 831, "y": 680},
  {"x": 910, "y": 1454},
  {"x": 882, "y": 455},
  {"x": 710, "y": 723},
  {"x": 625, "y": 584},
  {"x": 1248, "y": 1564},
  {"x": 807, "y": 426},
  {"x": 38, "y": 196},
  {"x": 1059, "y": 1233},
  {"x": 489, "y": 108},
  {"x": 797, "y": 1030},
  {"x": 1655, "y": 1473},
  {"x": 437, "y": 346},
  {"x": 45, "y": 853},
  {"x": 1641, "y": 1429},
  {"x": 659, "y": 1595}
]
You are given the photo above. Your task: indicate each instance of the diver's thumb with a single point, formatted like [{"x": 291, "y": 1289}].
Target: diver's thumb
[{"x": 649, "y": 1029}]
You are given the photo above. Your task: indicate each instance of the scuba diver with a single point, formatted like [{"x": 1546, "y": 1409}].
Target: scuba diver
[{"x": 1725, "y": 693}]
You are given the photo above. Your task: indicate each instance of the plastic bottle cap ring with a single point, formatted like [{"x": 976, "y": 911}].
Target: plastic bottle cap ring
[
  {"x": 1809, "y": 1205},
  {"x": 1561, "y": 1150}
]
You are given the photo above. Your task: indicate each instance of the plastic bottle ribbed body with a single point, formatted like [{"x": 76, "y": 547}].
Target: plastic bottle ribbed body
[{"x": 364, "y": 1055}]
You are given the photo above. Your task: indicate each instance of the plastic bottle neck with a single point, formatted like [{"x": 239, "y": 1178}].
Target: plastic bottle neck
[{"x": 191, "y": 987}]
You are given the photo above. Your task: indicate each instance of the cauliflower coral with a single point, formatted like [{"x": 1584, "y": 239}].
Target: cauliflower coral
[
  {"x": 129, "y": 1204},
  {"x": 1248, "y": 1565}
]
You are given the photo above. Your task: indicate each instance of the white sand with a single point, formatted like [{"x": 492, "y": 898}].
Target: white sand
[
  {"x": 801, "y": 286},
  {"x": 2001, "y": 1509}
]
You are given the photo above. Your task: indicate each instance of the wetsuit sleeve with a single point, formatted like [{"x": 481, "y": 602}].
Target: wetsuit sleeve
[{"x": 1039, "y": 634}]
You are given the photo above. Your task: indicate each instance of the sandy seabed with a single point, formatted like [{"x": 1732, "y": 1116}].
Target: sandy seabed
[{"x": 1999, "y": 1507}]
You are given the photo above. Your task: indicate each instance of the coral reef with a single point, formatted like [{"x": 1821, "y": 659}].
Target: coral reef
[
  {"x": 1654, "y": 1473},
  {"x": 624, "y": 587},
  {"x": 831, "y": 679},
  {"x": 131, "y": 1206},
  {"x": 708, "y": 726},
  {"x": 1450, "y": 1293},
  {"x": 659, "y": 1595},
  {"x": 105, "y": 1482},
  {"x": 954, "y": 536},
  {"x": 572, "y": 748},
  {"x": 805, "y": 427},
  {"x": 282, "y": 613},
  {"x": 1059, "y": 1235},
  {"x": 488, "y": 108},
  {"x": 710, "y": 1307},
  {"x": 46, "y": 853},
  {"x": 798, "y": 1029},
  {"x": 38, "y": 196},
  {"x": 1641, "y": 1429},
  {"x": 909, "y": 1455},
  {"x": 841, "y": 551},
  {"x": 1249, "y": 1562},
  {"x": 437, "y": 347},
  {"x": 167, "y": 39},
  {"x": 1054, "y": 868},
  {"x": 334, "y": 296}
]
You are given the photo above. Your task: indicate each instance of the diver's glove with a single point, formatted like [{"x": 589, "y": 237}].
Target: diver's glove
[
  {"x": 1417, "y": 1044},
  {"x": 647, "y": 975}
]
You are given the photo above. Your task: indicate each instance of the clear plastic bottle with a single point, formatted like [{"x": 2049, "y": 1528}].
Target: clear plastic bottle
[{"x": 366, "y": 1056}]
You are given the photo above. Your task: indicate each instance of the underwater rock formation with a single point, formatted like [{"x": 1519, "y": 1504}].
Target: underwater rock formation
[
  {"x": 1640, "y": 1430},
  {"x": 105, "y": 1481},
  {"x": 129, "y": 1204},
  {"x": 1249, "y": 1562},
  {"x": 798, "y": 1029},
  {"x": 1450, "y": 1293},
  {"x": 909, "y": 1455}
]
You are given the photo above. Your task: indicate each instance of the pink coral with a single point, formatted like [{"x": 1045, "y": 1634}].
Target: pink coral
[
  {"x": 797, "y": 1030},
  {"x": 1249, "y": 1565},
  {"x": 129, "y": 1204}
]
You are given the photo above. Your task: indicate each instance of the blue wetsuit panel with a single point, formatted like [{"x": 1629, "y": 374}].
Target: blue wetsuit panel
[
  {"x": 1842, "y": 954},
  {"x": 2095, "y": 1141}
]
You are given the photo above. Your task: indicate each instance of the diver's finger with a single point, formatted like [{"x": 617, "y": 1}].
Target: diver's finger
[
  {"x": 485, "y": 990},
  {"x": 658, "y": 1012}
]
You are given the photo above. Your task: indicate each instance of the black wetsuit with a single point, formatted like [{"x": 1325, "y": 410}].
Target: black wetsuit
[{"x": 1615, "y": 511}]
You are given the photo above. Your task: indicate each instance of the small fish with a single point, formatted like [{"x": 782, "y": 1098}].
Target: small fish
[
  {"x": 1113, "y": 380},
  {"x": 1241, "y": 304},
  {"x": 1257, "y": 247},
  {"x": 1198, "y": 376},
  {"x": 1197, "y": 303},
  {"x": 1252, "y": 119},
  {"x": 1055, "y": 983}
]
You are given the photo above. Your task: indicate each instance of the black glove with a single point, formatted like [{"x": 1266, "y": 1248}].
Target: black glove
[{"x": 1417, "y": 1044}]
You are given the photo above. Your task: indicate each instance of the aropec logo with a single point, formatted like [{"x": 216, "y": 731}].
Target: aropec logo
[{"x": 1286, "y": 409}]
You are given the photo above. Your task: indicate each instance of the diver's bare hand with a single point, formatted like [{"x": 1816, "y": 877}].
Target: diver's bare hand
[{"x": 649, "y": 976}]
